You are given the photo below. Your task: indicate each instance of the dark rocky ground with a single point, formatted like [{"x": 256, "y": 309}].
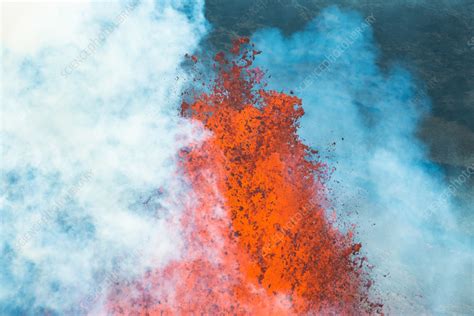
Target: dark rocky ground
[{"x": 434, "y": 39}]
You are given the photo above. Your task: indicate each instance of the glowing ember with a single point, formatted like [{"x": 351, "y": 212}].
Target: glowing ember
[{"x": 258, "y": 240}]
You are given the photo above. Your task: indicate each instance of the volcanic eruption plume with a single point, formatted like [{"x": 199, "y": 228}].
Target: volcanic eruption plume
[
  {"x": 257, "y": 237},
  {"x": 141, "y": 173}
]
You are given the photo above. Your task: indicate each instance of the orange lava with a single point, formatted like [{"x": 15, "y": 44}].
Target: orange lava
[{"x": 257, "y": 238}]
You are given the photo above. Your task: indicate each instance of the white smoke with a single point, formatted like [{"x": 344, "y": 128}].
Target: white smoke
[
  {"x": 89, "y": 137},
  {"x": 383, "y": 178}
]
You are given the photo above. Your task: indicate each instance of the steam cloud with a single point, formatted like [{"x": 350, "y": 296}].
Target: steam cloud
[
  {"x": 88, "y": 157},
  {"x": 89, "y": 181},
  {"x": 382, "y": 179}
]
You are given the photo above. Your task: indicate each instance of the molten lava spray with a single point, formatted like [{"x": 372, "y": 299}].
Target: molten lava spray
[{"x": 258, "y": 241}]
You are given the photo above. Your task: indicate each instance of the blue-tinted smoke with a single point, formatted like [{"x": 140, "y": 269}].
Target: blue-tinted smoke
[
  {"x": 383, "y": 179},
  {"x": 89, "y": 133}
]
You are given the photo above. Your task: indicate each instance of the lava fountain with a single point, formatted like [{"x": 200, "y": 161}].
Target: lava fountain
[{"x": 258, "y": 240}]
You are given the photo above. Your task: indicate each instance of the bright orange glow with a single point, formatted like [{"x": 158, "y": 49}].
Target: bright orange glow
[{"x": 258, "y": 240}]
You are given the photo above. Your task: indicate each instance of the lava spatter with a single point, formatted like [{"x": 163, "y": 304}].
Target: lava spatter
[{"x": 257, "y": 238}]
